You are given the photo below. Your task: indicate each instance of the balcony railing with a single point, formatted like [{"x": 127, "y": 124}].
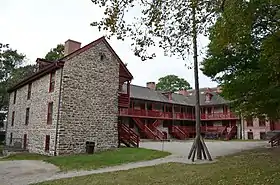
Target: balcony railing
[
  {"x": 218, "y": 116},
  {"x": 169, "y": 115}
]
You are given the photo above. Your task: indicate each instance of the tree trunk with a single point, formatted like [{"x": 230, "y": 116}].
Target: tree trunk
[{"x": 198, "y": 145}]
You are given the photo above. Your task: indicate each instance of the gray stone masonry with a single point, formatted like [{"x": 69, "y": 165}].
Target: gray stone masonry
[
  {"x": 89, "y": 110},
  {"x": 37, "y": 128}
]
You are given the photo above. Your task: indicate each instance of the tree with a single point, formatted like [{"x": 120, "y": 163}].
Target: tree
[
  {"x": 171, "y": 25},
  {"x": 244, "y": 54},
  {"x": 172, "y": 83},
  {"x": 55, "y": 53},
  {"x": 10, "y": 59}
]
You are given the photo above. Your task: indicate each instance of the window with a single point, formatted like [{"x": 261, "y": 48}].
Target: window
[
  {"x": 15, "y": 96},
  {"x": 13, "y": 118},
  {"x": 250, "y": 135},
  {"x": 262, "y": 135},
  {"x": 249, "y": 121},
  {"x": 27, "y": 116},
  {"x": 47, "y": 143},
  {"x": 131, "y": 124},
  {"x": 262, "y": 121},
  {"x": 165, "y": 124},
  {"x": 225, "y": 109},
  {"x": 11, "y": 138},
  {"x": 29, "y": 91},
  {"x": 102, "y": 56},
  {"x": 209, "y": 110},
  {"x": 24, "y": 141},
  {"x": 50, "y": 113},
  {"x": 52, "y": 82}
]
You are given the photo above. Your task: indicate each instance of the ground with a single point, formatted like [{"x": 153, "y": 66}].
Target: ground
[
  {"x": 255, "y": 167},
  {"x": 178, "y": 149},
  {"x": 216, "y": 148}
]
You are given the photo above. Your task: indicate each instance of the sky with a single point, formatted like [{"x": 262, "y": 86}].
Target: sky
[{"x": 33, "y": 27}]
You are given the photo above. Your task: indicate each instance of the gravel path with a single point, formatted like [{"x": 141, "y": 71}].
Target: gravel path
[
  {"x": 17, "y": 173},
  {"x": 22, "y": 172}
]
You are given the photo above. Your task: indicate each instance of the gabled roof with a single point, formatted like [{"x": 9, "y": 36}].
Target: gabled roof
[
  {"x": 144, "y": 93},
  {"x": 58, "y": 64}
]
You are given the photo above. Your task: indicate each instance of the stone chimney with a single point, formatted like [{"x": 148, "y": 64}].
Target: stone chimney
[
  {"x": 151, "y": 85},
  {"x": 71, "y": 46},
  {"x": 183, "y": 92}
]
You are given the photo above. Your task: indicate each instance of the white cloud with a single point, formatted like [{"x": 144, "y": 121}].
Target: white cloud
[{"x": 34, "y": 27}]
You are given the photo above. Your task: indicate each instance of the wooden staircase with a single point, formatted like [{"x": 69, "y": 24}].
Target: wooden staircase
[
  {"x": 232, "y": 133},
  {"x": 177, "y": 133},
  {"x": 150, "y": 133},
  {"x": 275, "y": 140},
  {"x": 156, "y": 123},
  {"x": 127, "y": 136}
]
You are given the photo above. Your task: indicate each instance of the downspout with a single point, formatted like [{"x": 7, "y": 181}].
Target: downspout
[{"x": 58, "y": 112}]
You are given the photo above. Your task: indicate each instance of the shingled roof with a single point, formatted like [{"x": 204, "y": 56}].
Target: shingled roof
[{"x": 144, "y": 93}]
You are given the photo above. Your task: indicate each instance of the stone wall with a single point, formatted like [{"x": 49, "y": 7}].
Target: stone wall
[
  {"x": 89, "y": 110},
  {"x": 37, "y": 129}
]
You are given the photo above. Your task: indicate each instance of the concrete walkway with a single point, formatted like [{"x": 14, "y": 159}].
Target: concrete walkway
[{"x": 179, "y": 152}]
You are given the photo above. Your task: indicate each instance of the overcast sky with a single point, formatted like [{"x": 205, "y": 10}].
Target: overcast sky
[{"x": 33, "y": 27}]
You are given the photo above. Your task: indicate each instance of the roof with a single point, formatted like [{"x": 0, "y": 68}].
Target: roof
[
  {"x": 144, "y": 93},
  {"x": 58, "y": 64}
]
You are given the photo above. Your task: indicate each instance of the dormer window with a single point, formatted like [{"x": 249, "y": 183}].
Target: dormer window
[{"x": 208, "y": 97}]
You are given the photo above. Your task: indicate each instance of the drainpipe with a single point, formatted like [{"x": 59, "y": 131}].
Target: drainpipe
[{"x": 58, "y": 111}]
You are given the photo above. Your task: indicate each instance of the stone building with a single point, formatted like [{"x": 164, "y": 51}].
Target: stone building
[
  {"x": 259, "y": 127},
  {"x": 86, "y": 97},
  {"x": 63, "y": 105}
]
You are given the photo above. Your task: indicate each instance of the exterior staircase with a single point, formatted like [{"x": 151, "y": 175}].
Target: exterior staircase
[
  {"x": 177, "y": 133},
  {"x": 150, "y": 133},
  {"x": 127, "y": 136},
  {"x": 156, "y": 123},
  {"x": 275, "y": 140},
  {"x": 232, "y": 133}
]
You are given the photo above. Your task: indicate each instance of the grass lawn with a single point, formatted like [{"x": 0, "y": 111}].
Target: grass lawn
[
  {"x": 94, "y": 161},
  {"x": 256, "y": 167}
]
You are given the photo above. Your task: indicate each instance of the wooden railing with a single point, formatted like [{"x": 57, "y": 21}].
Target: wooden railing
[
  {"x": 178, "y": 133},
  {"x": 145, "y": 129},
  {"x": 157, "y": 132},
  {"x": 204, "y": 129},
  {"x": 176, "y": 115},
  {"x": 218, "y": 116},
  {"x": 123, "y": 100},
  {"x": 127, "y": 134},
  {"x": 275, "y": 140},
  {"x": 232, "y": 133},
  {"x": 156, "y": 123}
]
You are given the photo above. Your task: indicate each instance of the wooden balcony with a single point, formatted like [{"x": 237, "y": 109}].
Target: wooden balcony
[
  {"x": 219, "y": 116},
  {"x": 129, "y": 112},
  {"x": 123, "y": 100}
]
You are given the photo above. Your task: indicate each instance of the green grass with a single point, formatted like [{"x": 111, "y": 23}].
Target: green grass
[
  {"x": 94, "y": 161},
  {"x": 24, "y": 156},
  {"x": 256, "y": 167}
]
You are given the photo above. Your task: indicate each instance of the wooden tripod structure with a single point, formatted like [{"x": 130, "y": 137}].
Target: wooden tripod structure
[{"x": 199, "y": 147}]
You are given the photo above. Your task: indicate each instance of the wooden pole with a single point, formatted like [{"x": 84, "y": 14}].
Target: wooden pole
[{"x": 199, "y": 146}]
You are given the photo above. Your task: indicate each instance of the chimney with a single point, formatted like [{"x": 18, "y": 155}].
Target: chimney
[
  {"x": 151, "y": 85},
  {"x": 71, "y": 46},
  {"x": 183, "y": 92}
]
